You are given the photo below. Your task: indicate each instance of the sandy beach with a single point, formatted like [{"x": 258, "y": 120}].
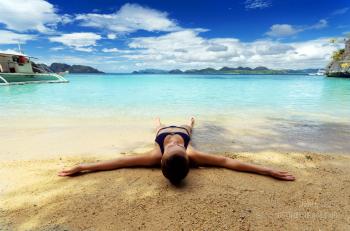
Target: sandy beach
[{"x": 34, "y": 198}]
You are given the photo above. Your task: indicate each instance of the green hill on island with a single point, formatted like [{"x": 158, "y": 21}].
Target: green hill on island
[
  {"x": 62, "y": 67},
  {"x": 230, "y": 70}
]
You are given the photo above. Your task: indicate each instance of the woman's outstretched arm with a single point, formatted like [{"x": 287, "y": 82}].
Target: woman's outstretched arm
[
  {"x": 150, "y": 158},
  {"x": 204, "y": 159}
]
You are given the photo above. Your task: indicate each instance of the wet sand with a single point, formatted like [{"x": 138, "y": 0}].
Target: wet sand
[{"x": 49, "y": 137}]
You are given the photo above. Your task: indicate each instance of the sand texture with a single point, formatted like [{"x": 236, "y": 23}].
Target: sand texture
[{"x": 34, "y": 198}]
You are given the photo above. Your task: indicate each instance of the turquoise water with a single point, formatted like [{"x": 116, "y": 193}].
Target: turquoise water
[
  {"x": 236, "y": 112},
  {"x": 180, "y": 95}
]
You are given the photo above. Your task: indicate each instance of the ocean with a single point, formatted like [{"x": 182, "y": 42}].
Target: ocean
[{"x": 233, "y": 112}]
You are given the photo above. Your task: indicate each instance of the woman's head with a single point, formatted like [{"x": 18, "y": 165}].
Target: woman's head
[{"x": 175, "y": 163}]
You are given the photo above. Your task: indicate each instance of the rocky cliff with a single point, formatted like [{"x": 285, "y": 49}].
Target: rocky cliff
[
  {"x": 62, "y": 67},
  {"x": 340, "y": 64}
]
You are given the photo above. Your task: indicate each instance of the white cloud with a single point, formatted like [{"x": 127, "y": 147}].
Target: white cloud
[
  {"x": 182, "y": 49},
  {"x": 130, "y": 18},
  {"x": 57, "y": 48},
  {"x": 111, "y": 36},
  {"x": 281, "y": 30},
  {"x": 257, "y": 4},
  {"x": 217, "y": 47},
  {"x": 187, "y": 49},
  {"x": 66, "y": 18},
  {"x": 347, "y": 34},
  {"x": 266, "y": 48},
  {"x": 116, "y": 50},
  {"x": 340, "y": 11},
  {"x": 29, "y": 15},
  {"x": 8, "y": 37},
  {"x": 79, "y": 41},
  {"x": 85, "y": 49},
  {"x": 179, "y": 39},
  {"x": 110, "y": 50},
  {"x": 321, "y": 24}
]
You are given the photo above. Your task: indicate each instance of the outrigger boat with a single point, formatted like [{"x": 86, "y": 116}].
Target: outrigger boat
[
  {"x": 17, "y": 68},
  {"x": 320, "y": 72}
]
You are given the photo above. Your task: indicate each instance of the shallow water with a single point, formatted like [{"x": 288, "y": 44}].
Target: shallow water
[{"x": 234, "y": 112}]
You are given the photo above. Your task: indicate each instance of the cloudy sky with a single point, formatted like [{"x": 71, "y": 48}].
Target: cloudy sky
[{"x": 122, "y": 36}]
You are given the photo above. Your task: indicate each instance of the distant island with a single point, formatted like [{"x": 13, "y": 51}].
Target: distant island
[
  {"x": 62, "y": 67},
  {"x": 231, "y": 70},
  {"x": 340, "y": 64}
]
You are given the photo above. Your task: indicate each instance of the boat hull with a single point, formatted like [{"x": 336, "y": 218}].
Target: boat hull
[
  {"x": 339, "y": 74},
  {"x": 20, "y": 78}
]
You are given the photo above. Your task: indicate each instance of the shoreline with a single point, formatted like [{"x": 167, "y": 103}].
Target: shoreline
[
  {"x": 33, "y": 197},
  {"x": 45, "y": 138}
]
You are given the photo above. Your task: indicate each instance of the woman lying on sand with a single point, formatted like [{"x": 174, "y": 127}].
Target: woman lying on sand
[{"x": 175, "y": 155}]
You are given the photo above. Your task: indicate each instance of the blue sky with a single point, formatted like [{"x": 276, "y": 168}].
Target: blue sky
[{"x": 122, "y": 36}]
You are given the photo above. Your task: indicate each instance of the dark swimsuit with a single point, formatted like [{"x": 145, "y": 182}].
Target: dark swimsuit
[{"x": 161, "y": 137}]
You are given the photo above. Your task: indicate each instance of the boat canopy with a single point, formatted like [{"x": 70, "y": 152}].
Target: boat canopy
[{"x": 12, "y": 54}]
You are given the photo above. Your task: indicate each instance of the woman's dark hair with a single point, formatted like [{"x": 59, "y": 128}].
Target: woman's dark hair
[{"x": 175, "y": 168}]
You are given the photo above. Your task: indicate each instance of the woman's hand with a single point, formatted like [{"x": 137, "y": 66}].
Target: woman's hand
[
  {"x": 281, "y": 175},
  {"x": 70, "y": 171}
]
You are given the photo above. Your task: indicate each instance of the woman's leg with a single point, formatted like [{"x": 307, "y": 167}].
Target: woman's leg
[
  {"x": 192, "y": 122},
  {"x": 190, "y": 126},
  {"x": 159, "y": 124}
]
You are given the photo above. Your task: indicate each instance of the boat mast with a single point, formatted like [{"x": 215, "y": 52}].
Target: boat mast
[{"x": 19, "y": 48}]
